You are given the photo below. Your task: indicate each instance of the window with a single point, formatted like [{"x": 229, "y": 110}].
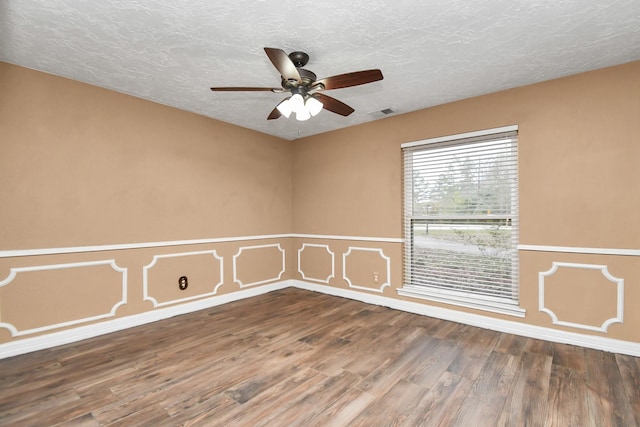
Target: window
[{"x": 461, "y": 220}]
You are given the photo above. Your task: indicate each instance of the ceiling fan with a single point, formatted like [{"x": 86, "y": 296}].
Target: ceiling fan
[{"x": 306, "y": 99}]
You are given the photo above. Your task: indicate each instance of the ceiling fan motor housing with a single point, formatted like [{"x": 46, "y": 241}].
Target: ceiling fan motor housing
[{"x": 307, "y": 79}]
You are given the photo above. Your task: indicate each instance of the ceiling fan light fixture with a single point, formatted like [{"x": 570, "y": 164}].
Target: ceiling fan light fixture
[
  {"x": 313, "y": 106},
  {"x": 285, "y": 107}
]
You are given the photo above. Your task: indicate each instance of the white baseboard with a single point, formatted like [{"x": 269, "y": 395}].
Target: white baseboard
[
  {"x": 54, "y": 339},
  {"x": 500, "y": 325},
  {"x": 27, "y": 345}
]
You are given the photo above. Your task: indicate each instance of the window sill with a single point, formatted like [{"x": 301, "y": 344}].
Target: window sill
[{"x": 461, "y": 300}]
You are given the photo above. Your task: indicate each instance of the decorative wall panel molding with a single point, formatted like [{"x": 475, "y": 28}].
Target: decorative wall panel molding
[
  {"x": 330, "y": 262},
  {"x": 144, "y": 245},
  {"x": 619, "y": 287},
  {"x": 351, "y": 238},
  {"x": 580, "y": 250},
  {"x": 123, "y": 246},
  {"x": 363, "y": 286},
  {"x": 16, "y": 331},
  {"x": 275, "y": 275},
  {"x": 213, "y": 289}
]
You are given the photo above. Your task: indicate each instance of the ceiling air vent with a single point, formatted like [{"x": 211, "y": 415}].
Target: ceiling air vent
[{"x": 382, "y": 113}]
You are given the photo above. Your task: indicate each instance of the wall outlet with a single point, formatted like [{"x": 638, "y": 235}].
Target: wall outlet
[{"x": 376, "y": 277}]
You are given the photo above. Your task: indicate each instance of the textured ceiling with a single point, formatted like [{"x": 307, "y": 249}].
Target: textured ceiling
[{"x": 430, "y": 52}]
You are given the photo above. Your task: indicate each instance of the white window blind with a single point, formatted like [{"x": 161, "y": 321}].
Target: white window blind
[{"x": 461, "y": 218}]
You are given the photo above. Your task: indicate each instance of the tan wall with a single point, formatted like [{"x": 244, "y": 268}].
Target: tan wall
[
  {"x": 84, "y": 166},
  {"x": 80, "y": 166},
  {"x": 579, "y": 187}
]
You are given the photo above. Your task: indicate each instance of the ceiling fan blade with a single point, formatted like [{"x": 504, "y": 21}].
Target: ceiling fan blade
[
  {"x": 333, "y": 104},
  {"x": 245, "y": 89},
  {"x": 350, "y": 79},
  {"x": 275, "y": 113},
  {"x": 283, "y": 64}
]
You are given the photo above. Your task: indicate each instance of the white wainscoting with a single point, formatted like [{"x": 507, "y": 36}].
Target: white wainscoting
[
  {"x": 580, "y": 250},
  {"x": 619, "y": 288},
  {"x": 145, "y": 278},
  {"x": 363, "y": 287},
  {"x": 317, "y": 279},
  {"x": 258, "y": 282},
  {"x": 81, "y": 332},
  {"x": 16, "y": 270}
]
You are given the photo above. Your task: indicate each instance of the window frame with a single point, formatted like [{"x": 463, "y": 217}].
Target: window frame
[{"x": 448, "y": 296}]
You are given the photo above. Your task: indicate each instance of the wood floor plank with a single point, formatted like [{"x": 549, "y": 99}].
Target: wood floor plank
[
  {"x": 473, "y": 354},
  {"x": 485, "y": 403},
  {"x": 361, "y": 338},
  {"x": 538, "y": 346},
  {"x": 23, "y": 409},
  {"x": 569, "y": 356},
  {"x": 74, "y": 411},
  {"x": 630, "y": 372},
  {"x": 440, "y": 406},
  {"x": 381, "y": 379},
  {"x": 384, "y": 407},
  {"x": 279, "y": 395},
  {"x": 341, "y": 410},
  {"x": 512, "y": 344},
  {"x": 206, "y": 412},
  {"x": 527, "y": 402},
  {"x": 85, "y": 420},
  {"x": 567, "y": 398},
  {"x": 433, "y": 363},
  {"x": 606, "y": 395},
  {"x": 310, "y": 402},
  {"x": 300, "y": 358}
]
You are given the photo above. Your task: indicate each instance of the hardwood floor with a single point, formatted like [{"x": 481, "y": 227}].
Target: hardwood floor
[{"x": 298, "y": 358}]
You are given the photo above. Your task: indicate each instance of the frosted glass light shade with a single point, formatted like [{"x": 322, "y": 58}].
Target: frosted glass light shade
[
  {"x": 297, "y": 102},
  {"x": 285, "y": 108},
  {"x": 302, "y": 114},
  {"x": 313, "y": 106}
]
